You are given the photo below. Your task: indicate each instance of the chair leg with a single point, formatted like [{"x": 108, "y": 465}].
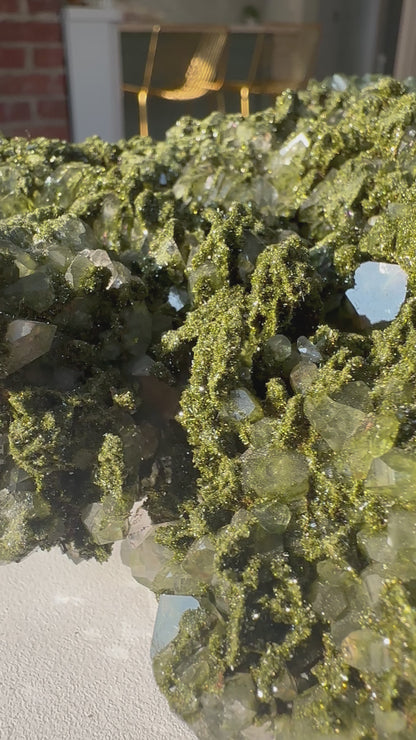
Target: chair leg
[
  {"x": 245, "y": 101},
  {"x": 220, "y": 101},
  {"x": 142, "y": 101}
]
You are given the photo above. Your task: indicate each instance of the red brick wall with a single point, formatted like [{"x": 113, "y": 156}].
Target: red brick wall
[{"x": 33, "y": 98}]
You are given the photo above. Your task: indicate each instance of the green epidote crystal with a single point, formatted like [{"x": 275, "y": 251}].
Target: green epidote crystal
[{"x": 184, "y": 323}]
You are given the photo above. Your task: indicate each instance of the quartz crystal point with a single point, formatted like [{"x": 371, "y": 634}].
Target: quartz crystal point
[
  {"x": 242, "y": 405},
  {"x": 62, "y": 186},
  {"x": 226, "y": 717},
  {"x": 389, "y": 723},
  {"x": 178, "y": 298},
  {"x": 308, "y": 350},
  {"x": 367, "y": 651},
  {"x": 83, "y": 263},
  {"x": 23, "y": 261},
  {"x": 103, "y": 527},
  {"x": 373, "y": 578},
  {"x": 394, "y": 475},
  {"x": 199, "y": 561},
  {"x": 170, "y": 610},
  {"x": 379, "y": 291},
  {"x": 34, "y": 290},
  {"x": 27, "y": 340},
  {"x": 334, "y": 421},
  {"x": 303, "y": 375},
  {"x": 273, "y": 473},
  {"x": 278, "y": 349},
  {"x": 375, "y": 545},
  {"x": 145, "y": 557},
  {"x": 273, "y": 518}
]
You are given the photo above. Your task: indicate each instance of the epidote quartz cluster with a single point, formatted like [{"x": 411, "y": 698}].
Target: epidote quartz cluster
[{"x": 222, "y": 327}]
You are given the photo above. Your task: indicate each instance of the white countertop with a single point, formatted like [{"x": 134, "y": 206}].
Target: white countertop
[{"x": 74, "y": 653}]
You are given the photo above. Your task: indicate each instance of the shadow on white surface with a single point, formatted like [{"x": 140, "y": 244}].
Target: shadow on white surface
[{"x": 74, "y": 653}]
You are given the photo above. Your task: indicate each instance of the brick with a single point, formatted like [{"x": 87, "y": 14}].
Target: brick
[
  {"x": 52, "y": 57},
  {"x": 32, "y": 84},
  {"x": 29, "y": 31},
  {"x": 30, "y": 131},
  {"x": 44, "y": 6},
  {"x": 9, "y": 6},
  {"x": 12, "y": 58},
  {"x": 52, "y": 109},
  {"x": 14, "y": 111}
]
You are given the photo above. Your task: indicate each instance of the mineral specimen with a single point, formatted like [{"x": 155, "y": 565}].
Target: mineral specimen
[
  {"x": 28, "y": 340},
  {"x": 222, "y": 327}
]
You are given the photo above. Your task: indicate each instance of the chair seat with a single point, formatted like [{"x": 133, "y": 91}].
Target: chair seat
[
  {"x": 203, "y": 74},
  {"x": 267, "y": 87},
  {"x": 282, "y": 58}
]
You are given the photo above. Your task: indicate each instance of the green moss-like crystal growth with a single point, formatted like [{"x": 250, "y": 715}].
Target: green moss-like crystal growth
[{"x": 176, "y": 325}]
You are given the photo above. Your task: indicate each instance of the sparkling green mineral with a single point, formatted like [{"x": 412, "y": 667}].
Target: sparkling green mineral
[
  {"x": 219, "y": 330},
  {"x": 274, "y": 474}
]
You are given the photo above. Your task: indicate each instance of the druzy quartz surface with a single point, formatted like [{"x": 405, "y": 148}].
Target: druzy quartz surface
[{"x": 208, "y": 350}]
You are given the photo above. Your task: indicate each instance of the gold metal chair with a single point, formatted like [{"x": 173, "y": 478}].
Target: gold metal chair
[
  {"x": 204, "y": 71},
  {"x": 283, "y": 57}
]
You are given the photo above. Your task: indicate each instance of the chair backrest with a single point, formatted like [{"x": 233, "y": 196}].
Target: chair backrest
[
  {"x": 287, "y": 53},
  {"x": 205, "y": 69},
  {"x": 186, "y": 64}
]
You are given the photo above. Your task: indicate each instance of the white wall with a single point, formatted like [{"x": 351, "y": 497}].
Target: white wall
[
  {"x": 91, "y": 40},
  {"x": 189, "y": 11},
  {"x": 216, "y": 11},
  {"x": 290, "y": 11},
  {"x": 349, "y": 36}
]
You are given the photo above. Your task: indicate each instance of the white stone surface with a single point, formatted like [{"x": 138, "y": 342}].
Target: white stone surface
[{"x": 74, "y": 653}]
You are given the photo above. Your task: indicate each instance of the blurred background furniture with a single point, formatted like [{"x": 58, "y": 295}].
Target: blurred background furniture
[
  {"x": 182, "y": 64},
  {"x": 185, "y": 63},
  {"x": 356, "y": 38},
  {"x": 282, "y": 57}
]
